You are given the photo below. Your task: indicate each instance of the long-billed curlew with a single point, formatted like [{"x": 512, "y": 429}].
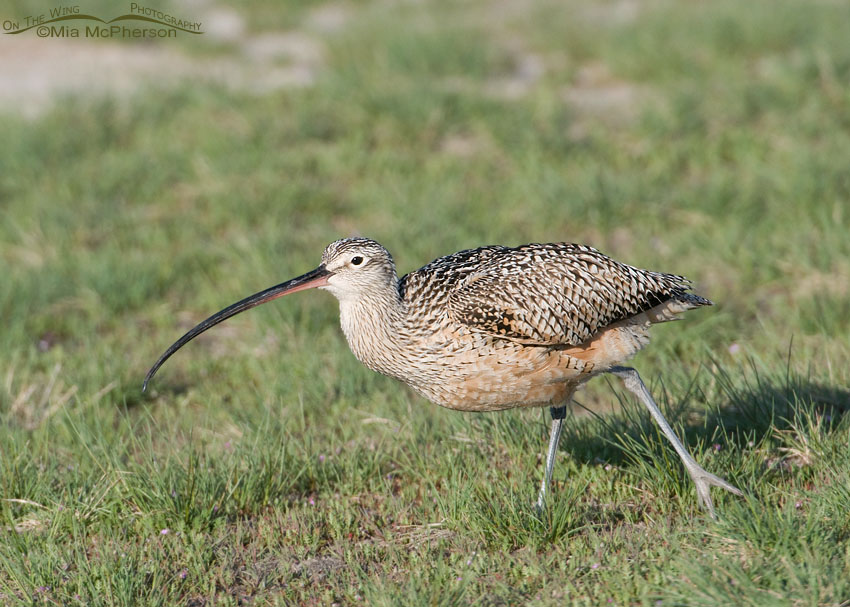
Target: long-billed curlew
[{"x": 496, "y": 327}]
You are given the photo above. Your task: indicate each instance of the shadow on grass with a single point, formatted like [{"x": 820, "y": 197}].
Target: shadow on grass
[
  {"x": 757, "y": 404},
  {"x": 752, "y": 407},
  {"x": 760, "y": 429}
]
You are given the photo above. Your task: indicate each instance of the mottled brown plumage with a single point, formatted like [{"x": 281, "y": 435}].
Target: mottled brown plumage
[{"x": 496, "y": 327}]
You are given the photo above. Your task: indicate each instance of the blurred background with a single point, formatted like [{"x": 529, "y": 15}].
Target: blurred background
[{"x": 146, "y": 184}]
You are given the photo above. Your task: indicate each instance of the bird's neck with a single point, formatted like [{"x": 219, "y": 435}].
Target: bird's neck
[{"x": 371, "y": 325}]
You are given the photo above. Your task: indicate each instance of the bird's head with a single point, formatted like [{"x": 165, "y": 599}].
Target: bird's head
[
  {"x": 351, "y": 268},
  {"x": 357, "y": 267}
]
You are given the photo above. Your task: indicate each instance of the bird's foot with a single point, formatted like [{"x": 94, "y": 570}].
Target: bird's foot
[
  {"x": 704, "y": 480},
  {"x": 540, "y": 505}
]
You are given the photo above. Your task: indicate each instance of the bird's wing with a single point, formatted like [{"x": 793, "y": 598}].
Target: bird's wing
[{"x": 557, "y": 294}]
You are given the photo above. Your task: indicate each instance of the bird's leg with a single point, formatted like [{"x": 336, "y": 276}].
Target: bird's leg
[
  {"x": 703, "y": 479},
  {"x": 558, "y": 415}
]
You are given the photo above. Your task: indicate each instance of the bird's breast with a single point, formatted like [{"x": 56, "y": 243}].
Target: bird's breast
[{"x": 459, "y": 368}]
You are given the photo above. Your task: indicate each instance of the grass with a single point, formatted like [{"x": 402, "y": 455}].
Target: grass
[{"x": 267, "y": 466}]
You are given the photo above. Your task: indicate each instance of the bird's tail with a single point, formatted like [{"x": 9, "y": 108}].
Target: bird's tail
[
  {"x": 670, "y": 309},
  {"x": 692, "y": 300}
]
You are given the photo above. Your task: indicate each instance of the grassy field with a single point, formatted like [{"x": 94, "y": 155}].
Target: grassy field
[{"x": 266, "y": 466}]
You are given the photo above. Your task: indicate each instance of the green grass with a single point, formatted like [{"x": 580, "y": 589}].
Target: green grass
[{"x": 267, "y": 466}]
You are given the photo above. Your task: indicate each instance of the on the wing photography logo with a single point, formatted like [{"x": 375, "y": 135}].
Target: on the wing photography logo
[{"x": 71, "y": 22}]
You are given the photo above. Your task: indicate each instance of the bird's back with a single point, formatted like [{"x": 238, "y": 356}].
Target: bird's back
[{"x": 556, "y": 294}]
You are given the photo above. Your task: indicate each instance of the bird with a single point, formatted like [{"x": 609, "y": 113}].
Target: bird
[{"x": 496, "y": 327}]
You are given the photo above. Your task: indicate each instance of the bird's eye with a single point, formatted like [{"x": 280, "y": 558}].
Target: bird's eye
[{"x": 356, "y": 260}]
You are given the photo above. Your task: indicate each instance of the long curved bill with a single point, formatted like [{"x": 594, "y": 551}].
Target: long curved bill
[{"x": 315, "y": 278}]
